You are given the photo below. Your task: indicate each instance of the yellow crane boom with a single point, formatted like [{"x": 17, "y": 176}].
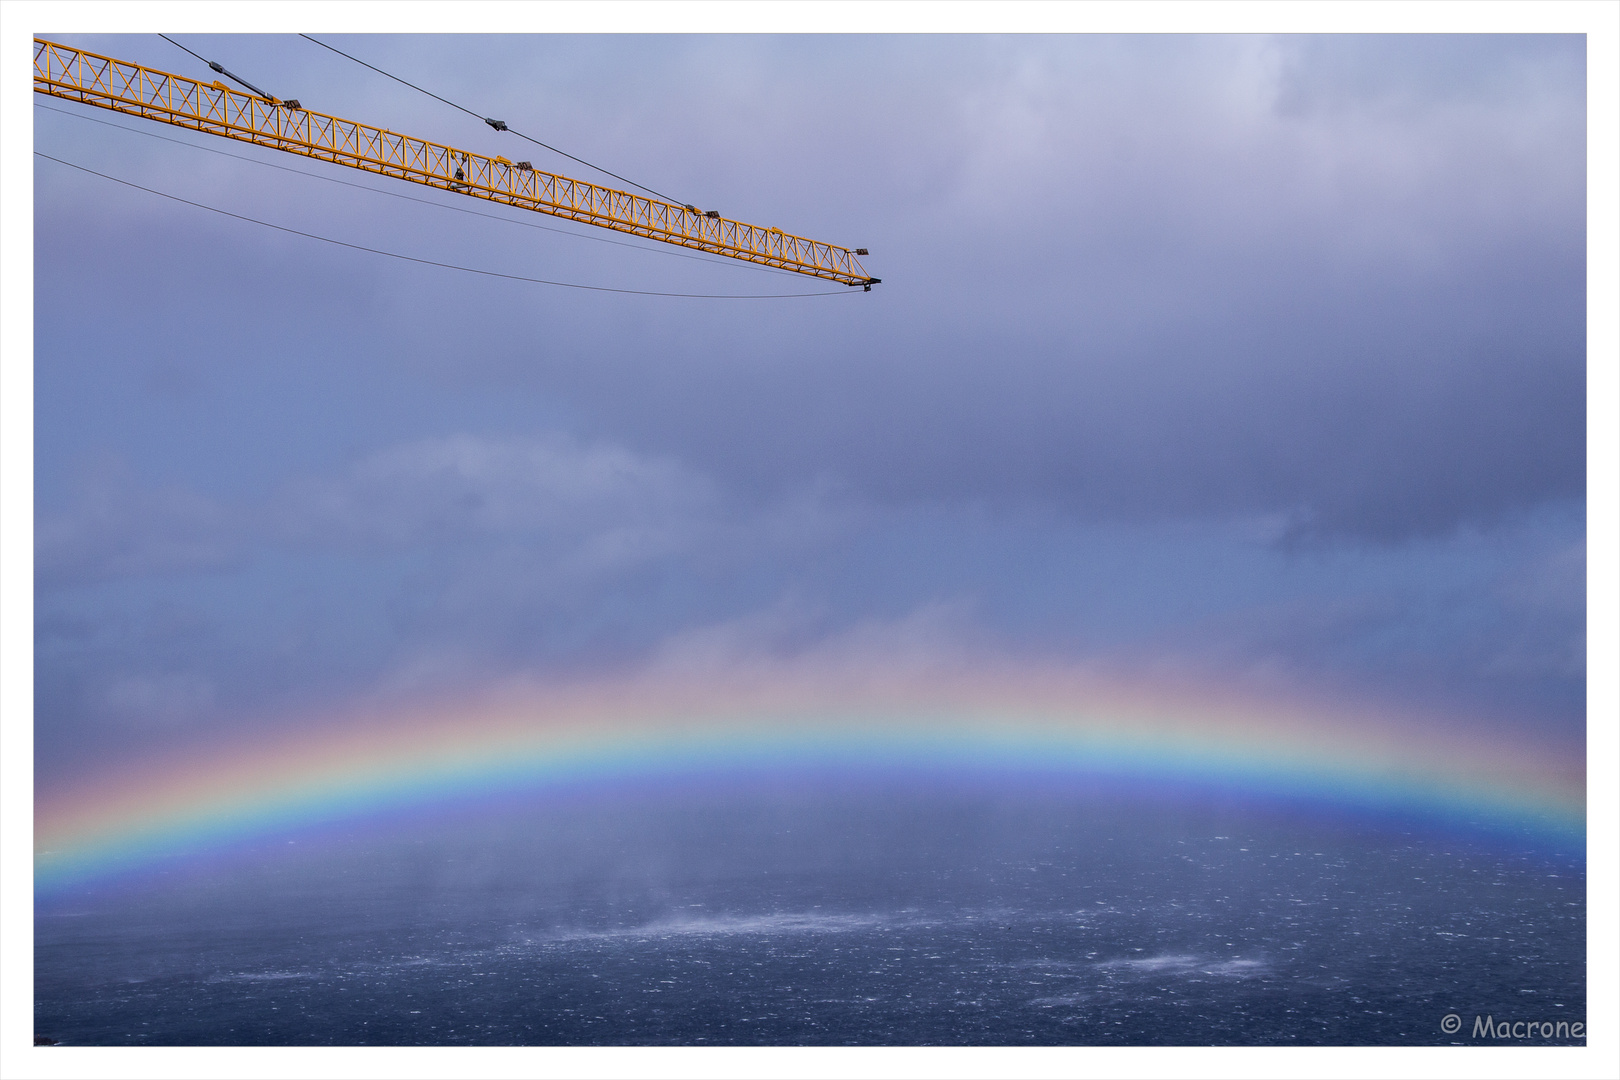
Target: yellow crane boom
[{"x": 65, "y": 72}]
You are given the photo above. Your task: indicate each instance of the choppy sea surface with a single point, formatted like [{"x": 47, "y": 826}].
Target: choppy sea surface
[{"x": 817, "y": 914}]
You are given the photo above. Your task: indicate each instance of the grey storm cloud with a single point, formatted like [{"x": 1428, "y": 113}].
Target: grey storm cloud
[
  {"x": 453, "y": 489},
  {"x": 586, "y": 507},
  {"x": 510, "y": 523},
  {"x": 1340, "y": 280},
  {"x": 1224, "y": 346},
  {"x": 116, "y": 529}
]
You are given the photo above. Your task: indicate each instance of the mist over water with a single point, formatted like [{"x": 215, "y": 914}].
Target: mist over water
[
  {"x": 783, "y": 911},
  {"x": 1247, "y": 373}
]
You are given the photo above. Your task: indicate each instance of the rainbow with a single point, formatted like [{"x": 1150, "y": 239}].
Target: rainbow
[{"x": 1008, "y": 720}]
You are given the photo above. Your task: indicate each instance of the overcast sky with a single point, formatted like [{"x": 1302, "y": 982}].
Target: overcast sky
[{"x": 1261, "y": 359}]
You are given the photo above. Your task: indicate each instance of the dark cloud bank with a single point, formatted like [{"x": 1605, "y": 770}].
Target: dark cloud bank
[{"x": 1267, "y": 354}]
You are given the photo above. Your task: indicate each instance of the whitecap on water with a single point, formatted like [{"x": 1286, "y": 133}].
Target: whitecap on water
[{"x": 1183, "y": 964}]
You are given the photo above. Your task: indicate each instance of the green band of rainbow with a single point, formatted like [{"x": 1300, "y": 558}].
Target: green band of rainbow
[{"x": 207, "y": 802}]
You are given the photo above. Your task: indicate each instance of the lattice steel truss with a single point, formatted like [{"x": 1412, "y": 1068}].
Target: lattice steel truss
[{"x": 216, "y": 109}]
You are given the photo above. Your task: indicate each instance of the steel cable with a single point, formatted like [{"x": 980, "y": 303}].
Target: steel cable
[
  {"x": 498, "y": 125},
  {"x": 710, "y": 260},
  {"x": 435, "y": 262}
]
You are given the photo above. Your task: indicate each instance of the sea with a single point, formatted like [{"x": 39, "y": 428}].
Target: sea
[{"x": 827, "y": 911}]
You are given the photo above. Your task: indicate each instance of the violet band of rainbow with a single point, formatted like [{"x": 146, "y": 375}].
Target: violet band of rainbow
[{"x": 210, "y": 801}]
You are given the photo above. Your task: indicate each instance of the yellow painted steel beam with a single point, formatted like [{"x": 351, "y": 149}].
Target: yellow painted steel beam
[{"x": 213, "y": 108}]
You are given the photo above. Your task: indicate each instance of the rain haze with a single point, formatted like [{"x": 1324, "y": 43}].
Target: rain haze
[
  {"x": 1260, "y": 354},
  {"x": 1240, "y": 369}
]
